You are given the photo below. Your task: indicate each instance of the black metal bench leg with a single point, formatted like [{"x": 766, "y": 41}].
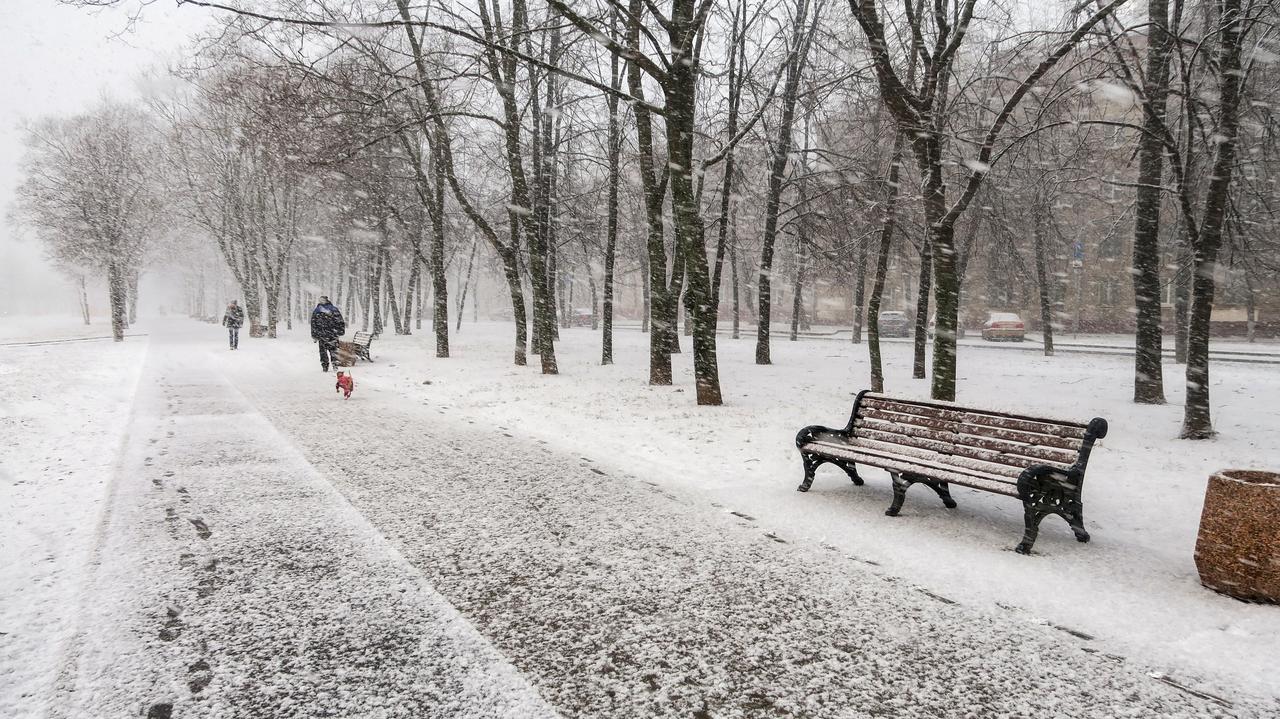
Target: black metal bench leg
[
  {"x": 1076, "y": 522},
  {"x": 944, "y": 492},
  {"x": 852, "y": 470},
  {"x": 1031, "y": 518},
  {"x": 810, "y": 466},
  {"x": 899, "y": 494}
]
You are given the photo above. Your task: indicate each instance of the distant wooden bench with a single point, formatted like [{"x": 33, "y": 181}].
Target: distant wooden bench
[
  {"x": 1037, "y": 460},
  {"x": 360, "y": 342}
]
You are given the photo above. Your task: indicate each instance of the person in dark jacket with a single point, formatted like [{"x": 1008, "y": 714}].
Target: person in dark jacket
[
  {"x": 233, "y": 320},
  {"x": 327, "y": 326}
]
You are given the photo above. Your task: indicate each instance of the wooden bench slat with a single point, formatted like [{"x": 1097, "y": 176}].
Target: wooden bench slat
[
  {"x": 956, "y": 407},
  {"x": 942, "y": 463},
  {"x": 1001, "y": 449},
  {"x": 1012, "y": 435},
  {"x": 934, "y": 448},
  {"x": 997, "y": 486},
  {"x": 979, "y": 448},
  {"x": 999, "y": 421},
  {"x": 959, "y": 460}
]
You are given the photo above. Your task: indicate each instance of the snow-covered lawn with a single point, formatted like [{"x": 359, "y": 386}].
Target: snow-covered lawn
[
  {"x": 64, "y": 411},
  {"x": 1134, "y": 587},
  {"x": 36, "y": 329}
]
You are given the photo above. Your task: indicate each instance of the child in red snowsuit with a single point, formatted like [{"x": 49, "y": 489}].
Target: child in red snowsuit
[{"x": 345, "y": 385}]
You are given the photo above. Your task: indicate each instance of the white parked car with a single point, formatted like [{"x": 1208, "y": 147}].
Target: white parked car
[{"x": 1004, "y": 326}]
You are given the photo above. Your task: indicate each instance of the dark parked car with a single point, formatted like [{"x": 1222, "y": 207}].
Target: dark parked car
[
  {"x": 1003, "y": 326},
  {"x": 580, "y": 317},
  {"x": 894, "y": 323}
]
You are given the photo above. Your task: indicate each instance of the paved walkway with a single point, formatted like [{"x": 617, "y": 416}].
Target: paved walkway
[
  {"x": 273, "y": 550},
  {"x": 234, "y": 581}
]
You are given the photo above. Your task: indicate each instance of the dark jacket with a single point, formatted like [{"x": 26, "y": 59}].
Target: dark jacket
[
  {"x": 234, "y": 318},
  {"x": 327, "y": 322}
]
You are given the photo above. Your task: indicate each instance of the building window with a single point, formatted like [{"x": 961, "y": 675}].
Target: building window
[{"x": 1108, "y": 293}]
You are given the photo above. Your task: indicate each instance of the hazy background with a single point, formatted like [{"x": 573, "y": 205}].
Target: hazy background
[{"x": 57, "y": 59}]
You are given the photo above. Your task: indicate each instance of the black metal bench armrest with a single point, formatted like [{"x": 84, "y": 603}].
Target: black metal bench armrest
[
  {"x": 816, "y": 431},
  {"x": 1041, "y": 477}
]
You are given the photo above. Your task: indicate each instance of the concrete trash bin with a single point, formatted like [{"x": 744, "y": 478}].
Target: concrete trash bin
[{"x": 1238, "y": 549}]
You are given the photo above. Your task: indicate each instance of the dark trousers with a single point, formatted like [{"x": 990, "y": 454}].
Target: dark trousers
[
  {"x": 233, "y": 334},
  {"x": 328, "y": 352}
]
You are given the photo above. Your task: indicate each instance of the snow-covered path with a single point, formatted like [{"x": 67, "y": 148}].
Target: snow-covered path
[
  {"x": 273, "y": 550},
  {"x": 233, "y": 581}
]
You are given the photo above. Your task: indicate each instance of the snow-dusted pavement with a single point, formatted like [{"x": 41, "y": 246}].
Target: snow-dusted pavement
[
  {"x": 270, "y": 550},
  {"x": 232, "y": 580}
]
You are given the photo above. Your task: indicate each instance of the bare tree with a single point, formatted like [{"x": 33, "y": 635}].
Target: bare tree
[{"x": 91, "y": 194}]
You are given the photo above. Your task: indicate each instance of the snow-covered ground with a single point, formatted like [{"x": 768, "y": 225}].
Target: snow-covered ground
[
  {"x": 1134, "y": 587},
  {"x": 64, "y": 413},
  {"x": 473, "y": 532}
]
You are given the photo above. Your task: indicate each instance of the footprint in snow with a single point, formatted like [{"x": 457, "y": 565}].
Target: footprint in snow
[
  {"x": 202, "y": 529},
  {"x": 172, "y": 628},
  {"x": 200, "y": 674}
]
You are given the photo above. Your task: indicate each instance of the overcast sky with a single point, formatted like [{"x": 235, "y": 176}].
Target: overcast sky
[{"x": 58, "y": 60}]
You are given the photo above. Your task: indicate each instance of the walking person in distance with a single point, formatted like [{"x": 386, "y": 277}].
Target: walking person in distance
[
  {"x": 327, "y": 326},
  {"x": 233, "y": 319}
]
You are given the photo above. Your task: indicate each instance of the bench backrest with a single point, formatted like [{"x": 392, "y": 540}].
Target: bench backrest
[
  {"x": 985, "y": 440},
  {"x": 361, "y": 338}
]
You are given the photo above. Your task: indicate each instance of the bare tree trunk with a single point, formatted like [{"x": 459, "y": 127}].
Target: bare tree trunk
[
  {"x": 733, "y": 270},
  {"x": 1182, "y": 301},
  {"x": 644, "y": 292},
  {"x": 882, "y": 266},
  {"x": 1250, "y": 311},
  {"x": 611, "y": 232},
  {"x": 83, "y": 293},
  {"x": 375, "y": 292},
  {"x": 1148, "y": 374},
  {"x": 678, "y": 288},
  {"x": 133, "y": 296},
  {"x": 860, "y": 290},
  {"x": 781, "y": 151},
  {"x": 466, "y": 285},
  {"x": 659, "y": 302},
  {"x": 1042, "y": 282},
  {"x": 439, "y": 282},
  {"x": 410, "y": 290},
  {"x": 595, "y": 301},
  {"x": 921, "y": 329},
  {"x": 389, "y": 276},
  {"x": 1196, "y": 419},
  {"x": 420, "y": 291},
  {"x": 118, "y": 298},
  {"x": 288, "y": 296},
  {"x": 797, "y": 292}
]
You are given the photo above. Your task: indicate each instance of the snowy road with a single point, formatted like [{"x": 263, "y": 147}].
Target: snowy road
[{"x": 272, "y": 550}]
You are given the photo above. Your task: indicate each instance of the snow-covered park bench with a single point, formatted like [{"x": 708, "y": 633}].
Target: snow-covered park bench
[
  {"x": 360, "y": 342},
  {"x": 1037, "y": 460}
]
